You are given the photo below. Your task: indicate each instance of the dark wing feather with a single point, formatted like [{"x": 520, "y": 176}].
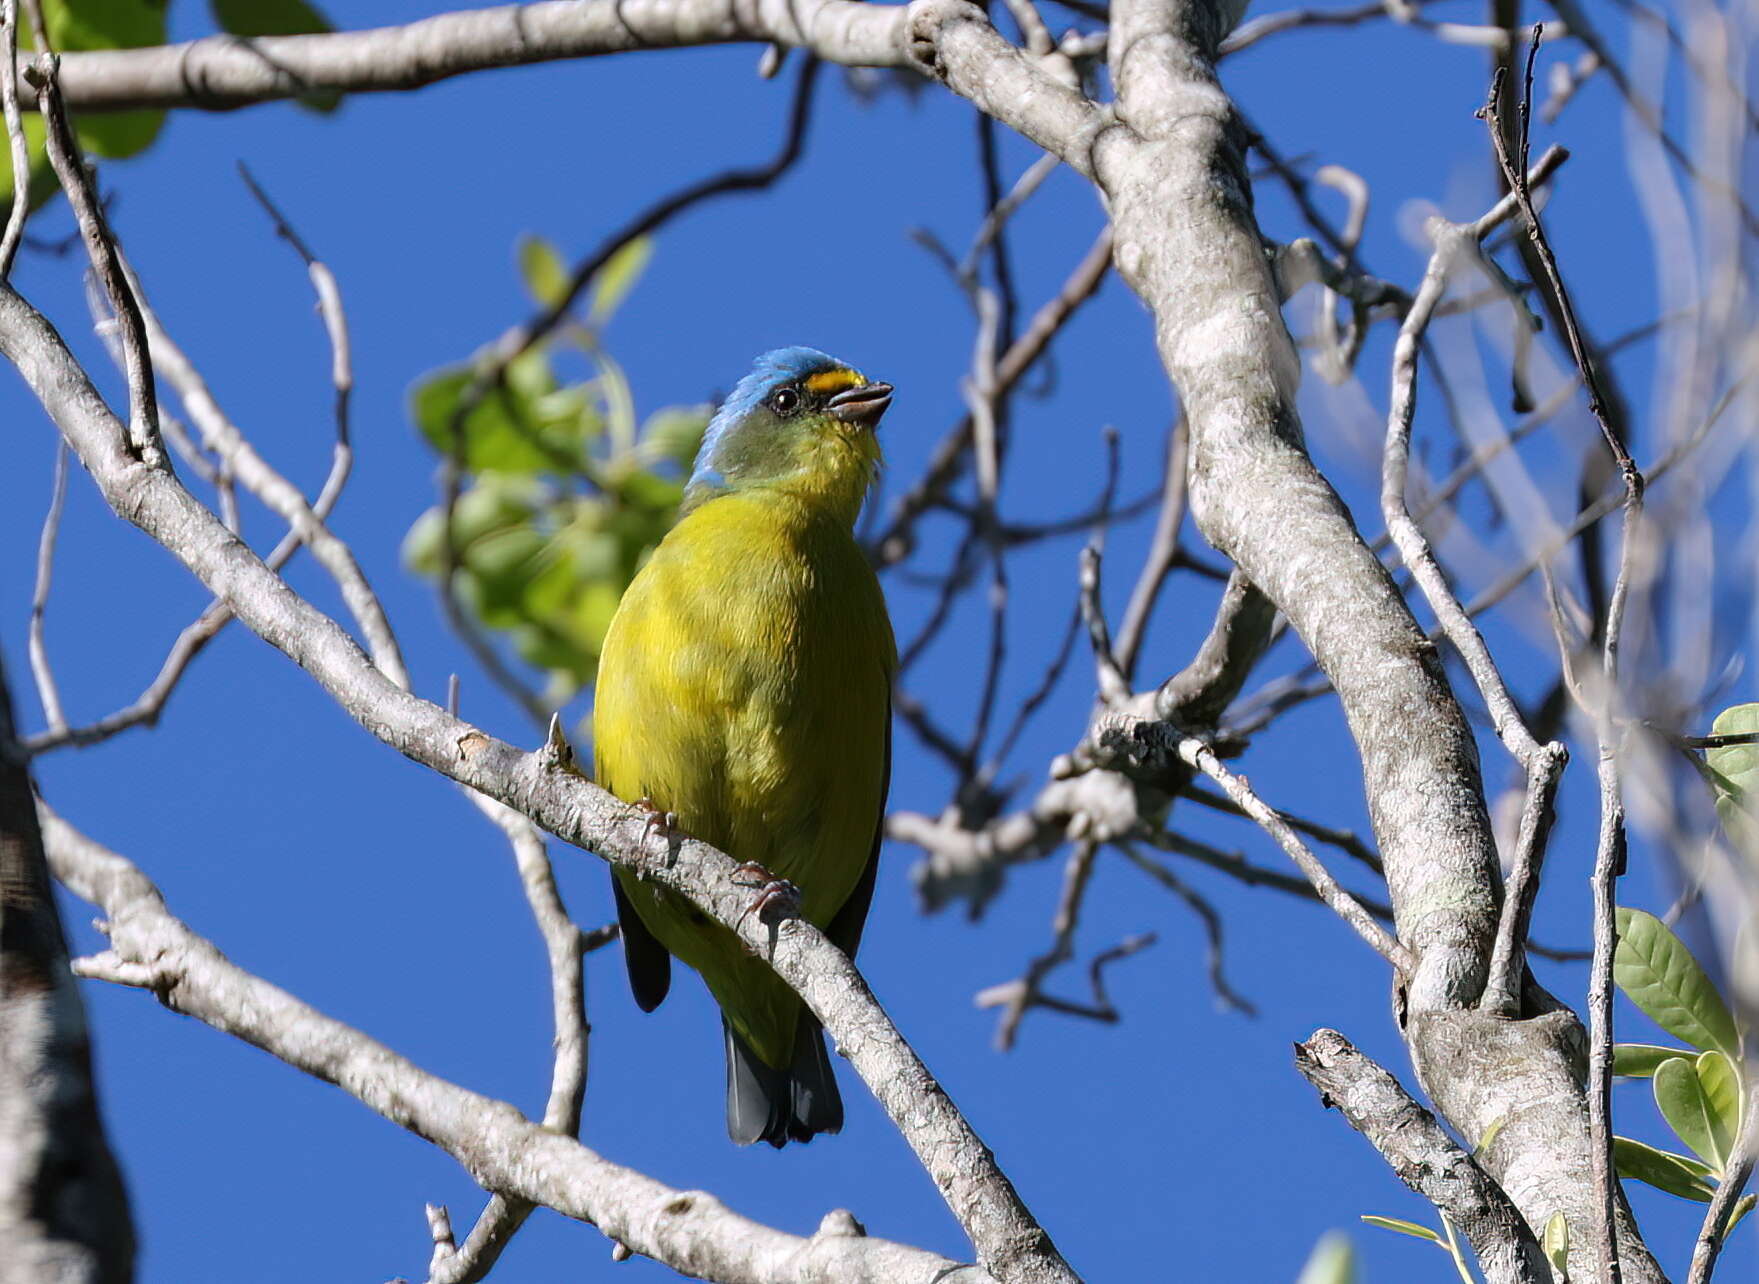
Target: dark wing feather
[{"x": 650, "y": 966}]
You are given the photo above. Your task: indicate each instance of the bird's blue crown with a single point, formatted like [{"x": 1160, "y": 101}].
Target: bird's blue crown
[{"x": 768, "y": 372}]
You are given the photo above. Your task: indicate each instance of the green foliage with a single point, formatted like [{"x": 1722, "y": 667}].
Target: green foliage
[
  {"x": 268, "y": 17},
  {"x": 76, "y": 26},
  {"x": 1701, "y": 1101},
  {"x": 1676, "y": 1174},
  {"x": 1662, "y": 978},
  {"x": 1399, "y": 1226},
  {"x": 566, "y": 489},
  {"x": 1733, "y": 773},
  {"x": 1641, "y": 1060},
  {"x": 1445, "y": 1239},
  {"x": 1700, "y": 1094},
  {"x": 1555, "y": 1243},
  {"x": 1333, "y": 1261}
]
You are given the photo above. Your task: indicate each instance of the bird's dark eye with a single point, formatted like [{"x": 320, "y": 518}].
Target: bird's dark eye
[{"x": 785, "y": 401}]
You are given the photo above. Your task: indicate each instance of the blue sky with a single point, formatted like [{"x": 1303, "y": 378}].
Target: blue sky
[{"x": 1180, "y": 1141}]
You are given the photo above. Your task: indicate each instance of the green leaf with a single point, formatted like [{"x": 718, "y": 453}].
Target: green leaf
[
  {"x": 1640, "y": 1060},
  {"x": 1721, "y": 1082},
  {"x": 1734, "y": 773},
  {"x": 269, "y": 17},
  {"x": 1662, "y": 978},
  {"x": 1676, "y": 1174},
  {"x": 1489, "y": 1137},
  {"x": 100, "y": 24},
  {"x": 546, "y": 276},
  {"x": 1333, "y": 1261},
  {"x": 1556, "y": 1245},
  {"x": 507, "y": 430},
  {"x": 1402, "y": 1227},
  {"x": 1743, "y": 1206},
  {"x": 618, "y": 276},
  {"x": 1684, "y": 1104}
]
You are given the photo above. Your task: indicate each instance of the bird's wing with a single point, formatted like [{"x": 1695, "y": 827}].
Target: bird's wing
[
  {"x": 650, "y": 966},
  {"x": 845, "y": 929}
]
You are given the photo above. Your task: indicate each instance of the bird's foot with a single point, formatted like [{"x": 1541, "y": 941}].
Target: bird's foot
[
  {"x": 776, "y": 898},
  {"x": 657, "y": 821}
]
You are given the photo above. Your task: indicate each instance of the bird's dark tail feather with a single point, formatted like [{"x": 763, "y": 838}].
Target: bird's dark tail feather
[{"x": 778, "y": 1106}]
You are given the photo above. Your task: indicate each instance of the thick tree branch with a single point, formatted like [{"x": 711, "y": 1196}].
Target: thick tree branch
[
  {"x": 1171, "y": 166},
  {"x": 63, "y": 1209},
  {"x": 225, "y": 71}
]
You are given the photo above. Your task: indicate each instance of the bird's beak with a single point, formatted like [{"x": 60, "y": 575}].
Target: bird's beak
[{"x": 863, "y": 405}]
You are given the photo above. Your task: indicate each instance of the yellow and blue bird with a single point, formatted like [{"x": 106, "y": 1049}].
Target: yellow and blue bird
[{"x": 745, "y": 687}]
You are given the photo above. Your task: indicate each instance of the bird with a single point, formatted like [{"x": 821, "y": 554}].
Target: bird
[{"x": 744, "y": 695}]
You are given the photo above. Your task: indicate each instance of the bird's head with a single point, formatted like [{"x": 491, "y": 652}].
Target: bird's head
[{"x": 802, "y": 422}]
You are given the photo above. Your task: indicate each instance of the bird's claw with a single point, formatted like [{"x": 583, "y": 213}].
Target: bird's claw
[
  {"x": 657, "y": 821},
  {"x": 776, "y": 898}
]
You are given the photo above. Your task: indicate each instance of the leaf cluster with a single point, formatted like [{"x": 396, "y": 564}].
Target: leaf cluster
[
  {"x": 565, "y": 490},
  {"x": 1701, "y": 1090}
]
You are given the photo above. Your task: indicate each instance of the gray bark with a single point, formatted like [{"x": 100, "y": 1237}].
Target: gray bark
[{"x": 63, "y": 1210}]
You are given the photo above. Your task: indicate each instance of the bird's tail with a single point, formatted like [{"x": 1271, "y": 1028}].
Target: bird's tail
[{"x": 778, "y": 1106}]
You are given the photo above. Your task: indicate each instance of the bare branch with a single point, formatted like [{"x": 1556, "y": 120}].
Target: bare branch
[
  {"x": 1543, "y": 764},
  {"x": 1199, "y": 755},
  {"x": 895, "y": 542},
  {"x": 39, "y": 651},
  {"x": 1162, "y": 552},
  {"x": 101, "y": 248},
  {"x": 1610, "y": 853},
  {"x": 195, "y": 637},
  {"x": 224, "y": 71}
]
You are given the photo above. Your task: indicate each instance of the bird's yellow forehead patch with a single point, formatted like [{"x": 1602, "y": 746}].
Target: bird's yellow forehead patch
[{"x": 834, "y": 381}]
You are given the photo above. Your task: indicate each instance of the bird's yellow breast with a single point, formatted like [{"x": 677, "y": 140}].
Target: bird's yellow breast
[{"x": 745, "y": 685}]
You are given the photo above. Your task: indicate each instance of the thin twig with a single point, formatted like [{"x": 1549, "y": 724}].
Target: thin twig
[
  {"x": 894, "y": 543},
  {"x": 1163, "y": 552},
  {"x": 1342, "y": 839},
  {"x": 1610, "y": 849},
  {"x": 1200, "y": 755},
  {"x": 20, "y": 148},
  {"x": 565, "y": 945},
  {"x": 190, "y": 642},
  {"x": 1543, "y": 764},
  {"x": 39, "y": 651},
  {"x": 76, "y": 182}
]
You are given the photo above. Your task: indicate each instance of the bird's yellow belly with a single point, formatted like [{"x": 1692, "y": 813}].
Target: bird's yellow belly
[{"x": 757, "y": 711}]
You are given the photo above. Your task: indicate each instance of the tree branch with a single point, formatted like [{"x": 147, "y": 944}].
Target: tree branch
[
  {"x": 224, "y": 71},
  {"x": 690, "y": 1231},
  {"x": 1425, "y": 1158},
  {"x": 63, "y": 1208}
]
